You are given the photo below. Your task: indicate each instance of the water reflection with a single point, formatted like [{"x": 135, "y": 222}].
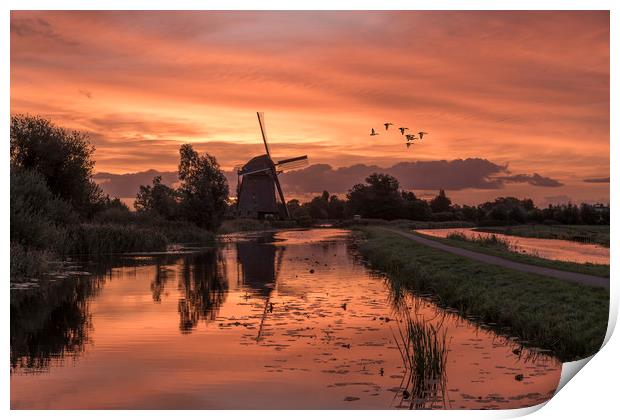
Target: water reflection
[
  {"x": 51, "y": 322},
  {"x": 296, "y": 311},
  {"x": 204, "y": 288}
]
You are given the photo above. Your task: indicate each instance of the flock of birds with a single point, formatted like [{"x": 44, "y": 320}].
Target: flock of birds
[{"x": 410, "y": 138}]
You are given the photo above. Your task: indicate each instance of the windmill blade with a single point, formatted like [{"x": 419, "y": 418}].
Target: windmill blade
[
  {"x": 263, "y": 131},
  {"x": 255, "y": 171},
  {"x": 281, "y": 194},
  {"x": 292, "y": 163}
]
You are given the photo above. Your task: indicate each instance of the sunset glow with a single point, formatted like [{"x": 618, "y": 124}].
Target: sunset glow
[{"x": 529, "y": 90}]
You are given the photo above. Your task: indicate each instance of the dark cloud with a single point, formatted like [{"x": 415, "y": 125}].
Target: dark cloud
[
  {"x": 597, "y": 180},
  {"x": 534, "y": 179},
  {"x": 127, "y": 185},
  {"x": 38, "y": 27},
  {"x": 453, "y": 175}
]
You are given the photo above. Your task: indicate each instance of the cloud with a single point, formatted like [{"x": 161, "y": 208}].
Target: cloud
[
  {"x": 39, "y": 28},
  {"x": 127, "y": 185},
  {"x": 454, "y": 175},
  {"x": 597, "y": 180},
  {"x": 534, "y": 179}
]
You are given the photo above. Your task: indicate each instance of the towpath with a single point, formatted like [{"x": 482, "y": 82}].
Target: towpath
[{"x": 502, "y": 262}]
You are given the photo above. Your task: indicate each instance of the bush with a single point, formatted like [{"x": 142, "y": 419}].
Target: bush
[
  {"x": 37, "y": 217},
  {"x": 88, "y": 238},
  {"x": 27, "y": 263}
]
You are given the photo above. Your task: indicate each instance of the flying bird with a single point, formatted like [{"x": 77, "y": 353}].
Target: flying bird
[
  {"x": 402, "y": 129},
  {"x": 408, "y": 145},
  {"x": 387, "y": 125},
  {"x": 421, "y": 133},
  {"x": 411, "y": 137},
  {"x": 373, "y": 132}
]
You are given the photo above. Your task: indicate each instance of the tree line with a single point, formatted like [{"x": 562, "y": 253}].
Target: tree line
[{"x": 380, "y": 197}]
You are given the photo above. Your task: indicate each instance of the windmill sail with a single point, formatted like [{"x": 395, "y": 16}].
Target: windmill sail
[
  {"x": 292, "y": 163},
  {"x": 263, "y": 131}
]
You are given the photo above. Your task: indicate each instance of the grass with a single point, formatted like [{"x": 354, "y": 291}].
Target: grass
[
  {"x": 568, "y": 319},
  {"x": 597, "y": 234},
  {"x": 424, "y": 351},
  {"x": 502, "y": 248},
  {"x": 404, "y": 224}
]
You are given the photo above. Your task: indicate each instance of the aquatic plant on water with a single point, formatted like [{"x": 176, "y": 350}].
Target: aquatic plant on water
[{"x": 423, "y": 348}]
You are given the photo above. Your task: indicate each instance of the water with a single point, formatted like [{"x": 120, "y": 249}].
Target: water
[
  {"x": 552, "y": 249},
  {"x": 285, "y": 320}
]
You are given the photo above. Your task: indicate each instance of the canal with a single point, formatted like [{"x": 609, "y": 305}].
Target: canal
[{"x": 290, "y": 319}]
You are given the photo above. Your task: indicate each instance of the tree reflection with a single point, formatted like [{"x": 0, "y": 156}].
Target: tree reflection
[
  {"x": 204, "y": 287},
  {"x": 50, "y": 322}
]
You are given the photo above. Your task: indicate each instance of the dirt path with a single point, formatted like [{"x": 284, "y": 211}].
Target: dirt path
[{"x": 502, "y": 262}]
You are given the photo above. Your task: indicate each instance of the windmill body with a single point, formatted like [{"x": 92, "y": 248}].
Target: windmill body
[{"x": 259, "y": 183}]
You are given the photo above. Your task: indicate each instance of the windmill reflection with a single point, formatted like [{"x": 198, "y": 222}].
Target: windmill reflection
[{"x": 259, "y": 266}]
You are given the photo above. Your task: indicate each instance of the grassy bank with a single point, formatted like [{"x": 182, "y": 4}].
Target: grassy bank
[
  {"x": 568, "y": 319},
  {"x": 104, "y": 238},
  {"x": 500, "y": 248},
  {"x": 597, "y": 234},
  {"x": 403, "y": 224}
]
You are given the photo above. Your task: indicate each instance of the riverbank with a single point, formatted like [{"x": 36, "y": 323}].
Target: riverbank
[
  {"x": 103, "y": 238},
  {"x": 578, "y": 233},
  {"x": 501, "y": 249},
  {"x": 570, "y": 320}
]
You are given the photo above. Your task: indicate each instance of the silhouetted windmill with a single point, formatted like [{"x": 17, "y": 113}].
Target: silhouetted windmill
[{"x": 258, "y": 183}]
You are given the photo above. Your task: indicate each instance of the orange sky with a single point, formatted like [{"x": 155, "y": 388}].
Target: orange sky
[{"x": 527, "y": 89}]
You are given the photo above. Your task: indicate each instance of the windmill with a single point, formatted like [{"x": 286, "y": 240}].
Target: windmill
[{"x": 258, "y": 182}]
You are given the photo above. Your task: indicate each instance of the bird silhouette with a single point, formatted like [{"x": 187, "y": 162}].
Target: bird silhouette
[
  {"x": 411, "y": 137},
  {"x": 373, "y": 132},
  {"x": 387, "y": 125},
  {"x": 408, "y": 145},
  {"x": 402, "y": 129},
  {"x": 421, "y": 134}
]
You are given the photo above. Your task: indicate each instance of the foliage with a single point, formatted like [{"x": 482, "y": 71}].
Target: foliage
[
  {"x": 204, "y": 190},
  {"x": 159, "y": 199},
  {"x": 62, "y": 157},
  {"x": 38, "y": 218},
  {"x": 441, "y": 203},
  {"x": 93, "y": 239},
  {"x": 379, "y": 198}
]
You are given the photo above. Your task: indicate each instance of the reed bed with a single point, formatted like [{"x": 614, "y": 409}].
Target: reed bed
[{"x": 423, "y": 348}]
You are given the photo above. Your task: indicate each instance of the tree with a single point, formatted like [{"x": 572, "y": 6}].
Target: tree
[
  {"x": 318, "y": 206},
  {"x": 159, "y": 199},
  {"x": 379, "y": 198},
  {"x": 414, "y": 208},
  {"x": 441, "y": 203},
  {"x": 62, "y": 157},
  {"x": 335, "y": 208},
  {"x": 204, "y": 189}
]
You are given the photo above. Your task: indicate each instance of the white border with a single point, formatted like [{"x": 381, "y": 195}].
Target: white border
[{"x": 592, "y": 394}]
